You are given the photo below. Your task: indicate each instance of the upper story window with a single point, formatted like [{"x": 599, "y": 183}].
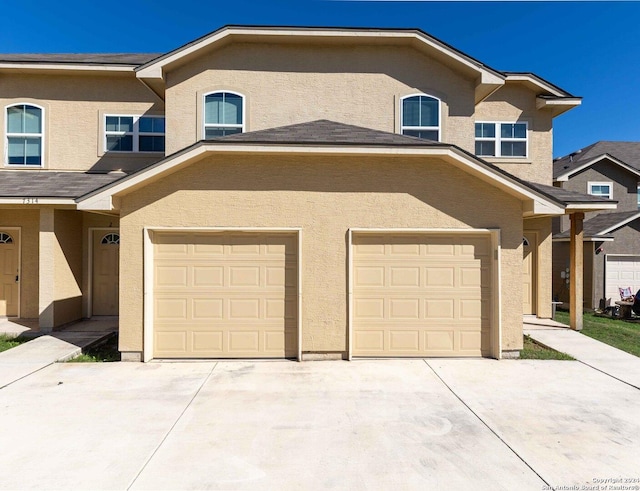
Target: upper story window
[
  {"x": 25, "y": 134},
  {"x": 125, "y": 133},
  {"x": 501, "y": 139},
  {"x": 600, "y": 189},
  {"x": 421, "y": 117},
  {"x": 223, "y": 114}
]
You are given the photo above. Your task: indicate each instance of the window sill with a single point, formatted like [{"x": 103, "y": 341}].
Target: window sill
[
  {"x": 26, "y": 167},
  {"x": 507, "y": 160},
  {"x": 132, "y": 154}
]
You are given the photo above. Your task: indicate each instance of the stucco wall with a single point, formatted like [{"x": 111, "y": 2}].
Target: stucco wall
[
  {"x": 68, "y": 267},
  {"x": 326, "y": 197},
  {"x": 515, "y": 102},
  {"x": 542, "y": 229},
  {"x": 287, "y": 84},
  {"x": 561, "y": 261},
  {"x": 74, "y": 108},
  {"x": 28, "y": 221}
]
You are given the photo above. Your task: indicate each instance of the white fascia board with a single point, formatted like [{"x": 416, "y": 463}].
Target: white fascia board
[
  {"x": 67, "y": 67},
  {"x": 29, "y": 201},
  {"x": 588, "y": 239},
  {"x": 155, "y": 69},
  {"x": 591, "y": 206},
  {"x": 567, "y": 175},
  {"x": 541, "y": 205},
  {"x": 542, "y": 102},
  {"x": 621, "y": 224}
]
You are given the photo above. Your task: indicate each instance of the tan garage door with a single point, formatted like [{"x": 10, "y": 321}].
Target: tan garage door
[
  {"x": 422, "y": 295},
  {"x": 225, "y": 295}
]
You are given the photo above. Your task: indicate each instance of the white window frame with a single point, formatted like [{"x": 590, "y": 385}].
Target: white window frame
[
  {"x": 638, "y": 195},
  {"x": 498, "y": 139},
  {"x": 24, "y": 135},
  {"x": 591, "y": 184},
  {"x": 206, "y": 125},
  {"x": 136, "y": 133},
  {"x": 421, "y": 128}
]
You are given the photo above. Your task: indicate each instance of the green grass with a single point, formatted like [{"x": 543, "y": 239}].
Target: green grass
[
  {"x": 618, "y": 333},
  {"x": 8, "y": 342},
  {"x": 535, "y": 351},
  {"x": 104, "y": 352}
]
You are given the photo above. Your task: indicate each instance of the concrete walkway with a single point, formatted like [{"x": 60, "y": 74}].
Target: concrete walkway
[
  {"x": 607, "y": 359},
  {"x": 49, "y": 348}
]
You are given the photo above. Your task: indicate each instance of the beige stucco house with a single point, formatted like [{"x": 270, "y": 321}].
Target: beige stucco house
[{"x": 282, "y": 192}]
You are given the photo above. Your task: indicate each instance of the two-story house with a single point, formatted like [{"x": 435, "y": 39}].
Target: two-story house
[
  {"x": 607, "y": 169},
  {"x": 282, "y": 192}
]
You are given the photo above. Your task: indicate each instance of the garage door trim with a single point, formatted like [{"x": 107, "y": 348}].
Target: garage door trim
[
  {"x": 614, "y": 257},
  {"x": 148, "y": 263},
  {"x": 496, "y": 296}
]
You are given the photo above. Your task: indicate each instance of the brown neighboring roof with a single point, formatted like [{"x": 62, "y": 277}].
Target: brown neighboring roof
[
  {"x": 568, "y": 197},
  {"x": 603, "y": 224},
  {"x": 325, "y": 132},
  {"x": 627, "y": 152},
  {"x": 133, "y": 59},
  {"x": 51, "y": 184}
]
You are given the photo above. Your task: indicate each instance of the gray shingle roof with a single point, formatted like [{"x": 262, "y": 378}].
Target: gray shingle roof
[
  {"x": 598, "y": 224},
  {"x": 627, "y": 152},
  {"x": 569, "y": 197},
  {"x": 133, "y": 59},
  {"x": 51, "y": 184},
  {"x": 325, "y": 132}
]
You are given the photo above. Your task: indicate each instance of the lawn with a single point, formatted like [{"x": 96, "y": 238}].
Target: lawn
[
  {"x": 535, "y": 351},
  {"x": 104, "y": 352},
  {"x": 8, "y": 342},
  {"x": 618, "y": 333}
]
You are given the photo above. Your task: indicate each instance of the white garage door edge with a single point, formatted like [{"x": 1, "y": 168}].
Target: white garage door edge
[
  {"x": 147, "y": 353},
  {"x": 496, "y": 318}
]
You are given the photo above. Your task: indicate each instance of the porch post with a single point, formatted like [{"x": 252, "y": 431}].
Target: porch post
[
  {"x": 576, "y": 268},
  {"x": 47, "y": 269}
]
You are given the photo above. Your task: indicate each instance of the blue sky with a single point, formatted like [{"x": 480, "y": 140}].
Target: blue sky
[{"x": 591, "y": 49}]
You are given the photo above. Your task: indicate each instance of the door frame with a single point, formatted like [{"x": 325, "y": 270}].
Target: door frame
[
  {"x": 19, "y": 234},
  {"x": 90, "y": 255},
  {"x": 529, "y": 234},
  {"x": 493, "y": 235},
  {"x": 148, "y": 263}
]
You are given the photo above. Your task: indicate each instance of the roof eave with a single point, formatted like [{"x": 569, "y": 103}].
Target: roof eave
[
  {"x": 567, "y": 175},
  {"x": 558, "y": 105},
  {"x": 75, "y": 67}
]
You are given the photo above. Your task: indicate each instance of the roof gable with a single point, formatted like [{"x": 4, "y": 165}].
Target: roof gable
[{"x": 623, "y": 154}]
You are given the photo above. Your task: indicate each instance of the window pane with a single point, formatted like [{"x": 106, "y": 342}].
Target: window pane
[
  {"x": 220, "y": 131},
  {"x": 486, "y": 149},
  {"x": 223, "y": 108},
  {"x": 212, "y": 108},
  {"x": 16, "y": 150},
  {"x": 516, "y": 130},
  {"x": 24, "y": 151},
  {"x": 14, "y": 119},
  {"x": 151, "y": 143},
  {"x": 513, "y": 149},
  {"x": 485, "y": 130},
  {"x": 32, "y": 120},
  {"x": 112, "y": 123},
  {"x": 428, "y": 111},
  {"x": 232, "y": 109},
  {"x": 424, "y": 134},
  {"x": 120, "y": 143},
  {"x": 151, "y": 125},
  {"x": 411, "y": 111},
  {"x": 126, "y": 124}
]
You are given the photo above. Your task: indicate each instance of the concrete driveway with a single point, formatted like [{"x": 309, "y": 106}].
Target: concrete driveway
[{"x": 396, "y": 424}]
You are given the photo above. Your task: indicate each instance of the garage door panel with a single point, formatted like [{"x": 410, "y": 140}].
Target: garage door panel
[
  {"x": 621, "y": 272},
  {"x": 225, "y": 295},
  {"x": 421, "y": 295}
]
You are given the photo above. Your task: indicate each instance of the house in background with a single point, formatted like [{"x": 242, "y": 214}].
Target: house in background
[
  {"x": 610, "y": 170},
  {"x": 283, "y": 192}
]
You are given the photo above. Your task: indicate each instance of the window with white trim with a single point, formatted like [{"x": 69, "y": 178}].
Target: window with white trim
[
  {"x": 127, "y": 133},
  {"x": 421, "y": 116},
  {"x": 600, "y": 189},
  {"x": 223, "y": 114},
  {"x": 639, "y": 197},
  {"x": 498, "y": 139},
  {"x": 25, "y": 135}
]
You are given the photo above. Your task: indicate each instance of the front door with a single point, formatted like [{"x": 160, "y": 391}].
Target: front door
[
  {"x": 106, "y": 272},
  {"x": 529, "y": 247},
  {"x": 10, "y": 269}
]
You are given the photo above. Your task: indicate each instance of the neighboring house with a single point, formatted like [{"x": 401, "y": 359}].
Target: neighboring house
[
  {"x": 611, "y": 170},
  {"x": 282, "y": 192}
]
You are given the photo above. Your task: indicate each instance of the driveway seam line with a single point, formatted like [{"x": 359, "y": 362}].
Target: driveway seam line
[
  {"x": 144, "y": 466},
  {"x": 486, "y": 425},
  {"x": 28, "y": 374},
  {"x": 608, "y": 374}
]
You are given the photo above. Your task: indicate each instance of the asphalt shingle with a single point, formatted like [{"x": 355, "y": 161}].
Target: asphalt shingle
[
  {"x": 134, "y": 59},
  {"x": 627, "y": 152},
  {"x": 51, "y": 184},
  {"x": 598, "y": 224}
]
